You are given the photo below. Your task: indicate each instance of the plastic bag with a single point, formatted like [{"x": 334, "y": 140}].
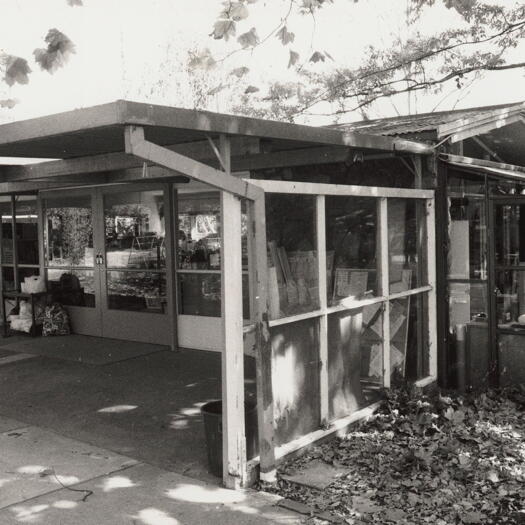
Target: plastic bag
[{"x": 34, "y": 284}]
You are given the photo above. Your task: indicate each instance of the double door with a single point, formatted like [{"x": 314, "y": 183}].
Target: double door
[{"x": 106, "y": 254}]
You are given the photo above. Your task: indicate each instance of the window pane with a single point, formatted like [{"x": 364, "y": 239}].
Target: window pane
[
  {"x": 510, "y": 297},
  {"x": 135, "y": 229},
  {"x": 406, "y": 248},
  {"x": 136, "y": 291},
  {"x": 509, "y": 225},
  {"x": 355, "y": 359},
  {"x": 200, "y": 294},
  {"x": 199, "y": 235},
  {"x": 7, "y": 230},
  {"x": 295, "y": 379},
  {"x": 467, "y": 302},
  {"x": 409, "y": 358},
  {"x": 293, "y": 282},
  {"x": 26, "y": 229},
  {"x": 68, "y": 234},
  {"x": 467, "y": 257},
  {"x": 72, "y": 287},
  {"x": 8, "y": 278},
  {"x": 351, "y": 251}
]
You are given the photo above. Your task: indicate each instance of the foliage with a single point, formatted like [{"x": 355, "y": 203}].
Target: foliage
[
  {"x": 419, "y": 63},
  {"x": 72, "y": 230},
  {"x": 427, "y": 459}
]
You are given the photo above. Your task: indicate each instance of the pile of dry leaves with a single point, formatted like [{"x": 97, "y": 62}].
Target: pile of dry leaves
[{"x": 426, "y": 459}]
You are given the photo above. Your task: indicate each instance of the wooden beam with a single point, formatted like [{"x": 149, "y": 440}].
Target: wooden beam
[
  {"x": 471, "y": 162},
  {"x": 310, "y": 188},
  {"x": 263, "y": 353},
  {"x": 432, "y": 303},
  {"x": 323, "y": 304},
  {"x": 137, "y": 145},
  {"x": 204, "y": 121},
  {"x": 233, "y": 429},
  {"x": 486, "y": 127},
  {"x": 490, "y": 151},
  {"x": 384, "y": 284},
  {"x": 115, "y": 161}
]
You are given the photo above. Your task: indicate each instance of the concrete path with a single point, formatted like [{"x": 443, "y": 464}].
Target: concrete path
[{"x": 103, "y": 487}]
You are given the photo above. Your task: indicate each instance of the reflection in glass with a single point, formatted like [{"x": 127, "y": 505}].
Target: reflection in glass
[
  {"x": 199, "y": 236},
  {"x": 467, "y": 255},
  {"x": 72, "y": 287},
  {"x": 293, "y": 280},
  {"x": 510, "y": 297},
  {"x": 135, "y": 229},
  {"x": 405, "y": 244},
  {"x": 409, "y": 358},
  {"x": 137, "y": 291},
  {"x": 68, "y": 232},
  {"x": 351, "y": 231},
  {"x": 8, "y": 278},
  {"x": 355, "y": 359},
  {"x": 467, "y": 302},
  {"x": 509, "y": 221},
  {"x": 7, "y": 230},
  {"x": 26, "y": 229},
  {"x": 200, "y": 294}
]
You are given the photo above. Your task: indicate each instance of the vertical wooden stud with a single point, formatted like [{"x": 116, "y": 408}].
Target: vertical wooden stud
[
  {"x": 263, "y": 351},
  {"x": 233, "y": 433},
  {"x": 323, "y": 303},
  {"x": 171, "y": 244},
  {"x": 15, "y": 245},
  {"x": 432, "y": 305},
  {"x": 384, "y": 284}
]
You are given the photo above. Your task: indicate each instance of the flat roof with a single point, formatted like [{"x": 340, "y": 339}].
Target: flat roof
[{"x": 100, "y": 129}]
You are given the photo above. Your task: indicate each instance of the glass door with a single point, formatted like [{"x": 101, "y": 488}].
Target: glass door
[
  {"x": 132, "y": 264},
  {"x": 509, "y": 286},
  {"x": 69, "y": 247}
]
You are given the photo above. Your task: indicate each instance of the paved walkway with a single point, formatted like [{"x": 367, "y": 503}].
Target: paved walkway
[{"x": 47, "y": 478}]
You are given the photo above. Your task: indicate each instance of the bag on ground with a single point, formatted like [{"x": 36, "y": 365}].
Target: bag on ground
[{"x": 56, "y": 321}]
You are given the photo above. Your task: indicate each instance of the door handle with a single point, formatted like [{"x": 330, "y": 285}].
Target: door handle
[{"x": 99, "y": 259}]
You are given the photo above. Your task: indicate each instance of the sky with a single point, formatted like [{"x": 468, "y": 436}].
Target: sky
[{"x": 137, "y": 49}]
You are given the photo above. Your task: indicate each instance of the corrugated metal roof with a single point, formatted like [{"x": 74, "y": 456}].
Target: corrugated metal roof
[{"x": 410, "y": 124}]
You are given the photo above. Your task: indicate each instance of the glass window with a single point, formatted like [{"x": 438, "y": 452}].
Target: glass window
[
  {"x": 68, "y": 231},
  {"x": 72, "y": 287},
  {"x": 355, "y": 359},
  {"x": 135, "y": 230},
  {"x": 200, "y": 294},
  {"x": 137, "y": 291},
  {"x": 466, "y": 185},
  {"x": 406, "y": 244},
  {"x": 26, "y": 229},
  {"x": 351, "y": 247},
  {"x": 8, "y": 278},
  {"x": 409, "y": 358},
  {"x": 7, "y": 230},
  {"x": 199, "y": 235},
  {"x": 509, "y": 225},
  {"x": 293, "y": 282},
  {"x": 506, "y": 187},
  {"x": 467, "y": 256}
]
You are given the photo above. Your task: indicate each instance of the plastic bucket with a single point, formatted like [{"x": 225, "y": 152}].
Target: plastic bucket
[{"x": 212, "y": 415}]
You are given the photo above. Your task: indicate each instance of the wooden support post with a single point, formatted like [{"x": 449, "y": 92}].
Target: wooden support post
[
  {"x": 384, "y": 284},
  {"x": 171, "y": 244},
  {"x": 15, "y": 244},
  {"x": 432, "y": 303},
  {"x": 263, "y": 352},
  {"x": 323, "y": 303},
  {"x": 233, "y": 433}
]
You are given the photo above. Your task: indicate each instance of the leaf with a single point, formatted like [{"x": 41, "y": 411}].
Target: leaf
[
  {"x": 294, "y": 58},
  {"x": 74, "y": 3},
  {"x": 238, "y": 11},
  {"x": 285, "y": 36},
  {"x": 216, "y": 90},
  {"x": 16, "y": 70},
  {"x": 395, "y": 515},
  {"x": 239, "y": 72},
  {"x": 202, "y": 59},
  {"x": 8, "y": 103},
  {"x": 248, "y": 39},
  {"x": 251, "y": 89},
  {"x": 317, "y": 57},
  {"x": 473, "y": 518},
  {"x": 492, "y": 475},
  {"x": 223, "y": 29},
  {"x": 56, "y": 54}
]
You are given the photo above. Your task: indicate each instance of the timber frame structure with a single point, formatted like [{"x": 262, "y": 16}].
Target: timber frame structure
[{"x": 129, "y": 143}]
